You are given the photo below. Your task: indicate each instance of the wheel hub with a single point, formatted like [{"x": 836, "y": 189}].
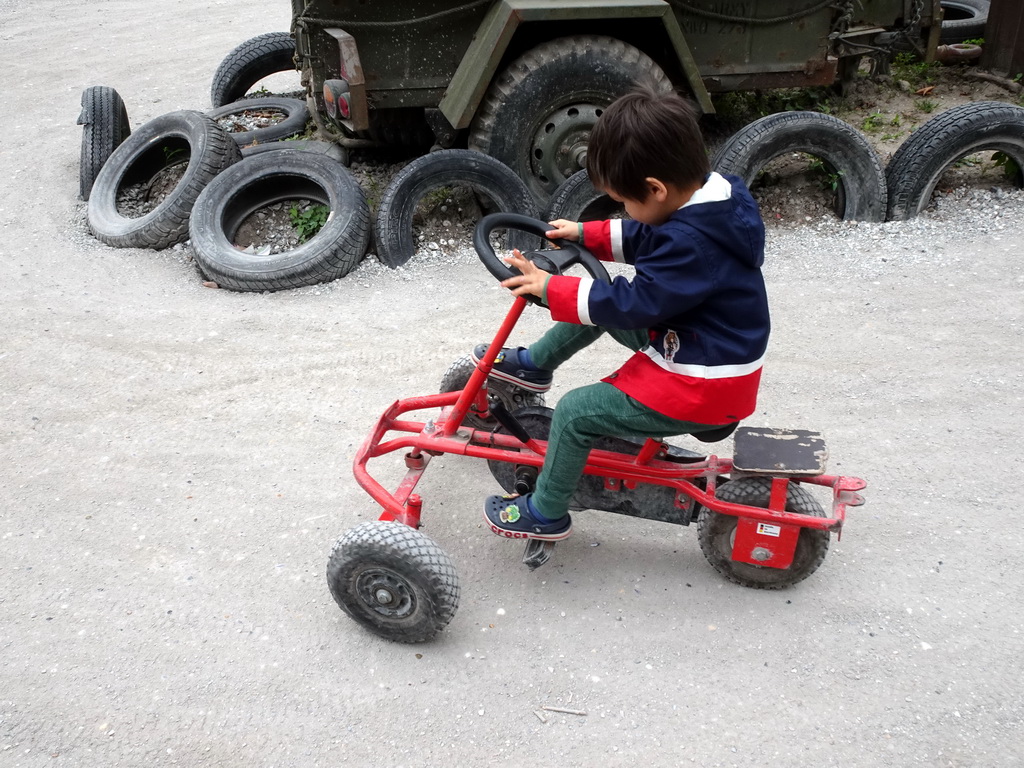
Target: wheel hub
[
  {"x": 559, "y": 147},
  {"x": 386, "y": 593}
]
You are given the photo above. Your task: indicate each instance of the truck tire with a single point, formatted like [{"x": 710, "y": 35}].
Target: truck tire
[
  {"x": 139, "y": 158},
  {"x": 920, "y": 161},
  {"x": 537, "y": 114},
  {"x": 104, "y": 122},
  {"x": 861, "y": 189},
  {"x": 492, "y": 179},
  {"x": 963, "y": 20},
  {"x": 295, "y": 112},
  {"x": 263, "y": 180},
  {"x": 576, "y": 199},
  {"x": 249, "y": 63}
]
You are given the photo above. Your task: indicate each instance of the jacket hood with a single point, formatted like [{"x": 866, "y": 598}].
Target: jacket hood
[{"x": 728, "y": 217}]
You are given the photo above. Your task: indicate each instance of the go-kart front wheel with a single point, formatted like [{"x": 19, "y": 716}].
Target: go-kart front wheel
[
  {"x": 716, "y": 533},
  {"x": 511, "y": 396},
  {"x": 394, "y": 581}
]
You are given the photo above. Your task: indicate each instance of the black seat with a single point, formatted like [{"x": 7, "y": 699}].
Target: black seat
[{"x": 716, "y": 433}]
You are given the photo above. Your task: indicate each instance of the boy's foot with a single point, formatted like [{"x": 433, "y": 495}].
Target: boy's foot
[
  {"x": 510, "y": 516},
  {"x": 509, "y": 366}
]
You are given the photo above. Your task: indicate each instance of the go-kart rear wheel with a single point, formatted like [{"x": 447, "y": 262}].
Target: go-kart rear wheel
[
  {"x": 716, "y": 533},
  {"x": 511, "y": 396},
  {"x": 394, "y": 581}
]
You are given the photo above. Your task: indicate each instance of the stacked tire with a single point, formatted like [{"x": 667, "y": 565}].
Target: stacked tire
[
  {"x": 920, "y": 162},
  {"x": 861, "y": 190},
  {"x": 191, "y": 153}
]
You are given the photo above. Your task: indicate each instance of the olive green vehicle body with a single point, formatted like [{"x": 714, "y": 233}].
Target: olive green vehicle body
[
  {"x": 433, "y": 72},
  {"x": 429, "y": 53}
]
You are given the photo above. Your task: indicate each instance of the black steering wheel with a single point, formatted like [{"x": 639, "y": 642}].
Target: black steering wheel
[{"x": 553, "y": 260}]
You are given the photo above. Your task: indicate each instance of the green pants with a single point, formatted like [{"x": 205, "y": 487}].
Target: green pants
[{"x": 587, "y": 413}]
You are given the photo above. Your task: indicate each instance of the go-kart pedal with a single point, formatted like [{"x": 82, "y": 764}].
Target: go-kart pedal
[{"x": 537, "y": 553}]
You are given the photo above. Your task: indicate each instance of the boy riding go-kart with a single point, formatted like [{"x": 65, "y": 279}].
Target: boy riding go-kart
[{"x": 695, "y": 316}]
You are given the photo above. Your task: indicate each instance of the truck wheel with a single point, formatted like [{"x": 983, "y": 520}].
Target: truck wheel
[
  {"x": 267, "y": 179},
  {"x": 537, "y": 114},
  {"x": 716, "y": 532},
  {"x": 159, "y": 144},
  {"x": 394, "y": 581},
  {"x": 250, "y": 62},
  {"x": 918, "y": 164},
  {"x": 860, "y": 190},
  {"x": 576, "y": 199},
  {"x": 104, "y": 122},
  {"x": 395, "y": 241},
  {"x": 963, "y": 20},
  {"x": 295, "y": 114},
  {"x": 511, "y": 396}
]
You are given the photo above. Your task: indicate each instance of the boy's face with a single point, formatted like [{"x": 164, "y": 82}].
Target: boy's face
[{"x": 661, "y": 202}]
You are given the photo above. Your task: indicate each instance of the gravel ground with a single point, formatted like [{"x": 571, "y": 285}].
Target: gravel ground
[{"x": 177, "y": 464}]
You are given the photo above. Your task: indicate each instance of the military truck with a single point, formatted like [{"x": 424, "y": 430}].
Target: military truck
[{"x": 525, "y": 80}]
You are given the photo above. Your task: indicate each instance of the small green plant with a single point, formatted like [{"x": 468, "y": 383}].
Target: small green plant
[
  {"x": 925, "y": 105},
  {"x": 1011, "y": 171},
  {"x": 741, "y": 107},
  {"x": 907, "y": 66},
  {"x": 872, "y": 122},
  {"x": 826, "y": 176},
  {"x": 308, "y": 220},
  {"x": 174, "y": 155},
  {"x": 975, "y": 41},
  {"x": 968, "y": 161},
  {"x": 896, "y": 121}
]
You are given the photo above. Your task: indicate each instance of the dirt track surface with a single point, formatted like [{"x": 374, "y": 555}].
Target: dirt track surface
[{"x": 176, "y": 466}]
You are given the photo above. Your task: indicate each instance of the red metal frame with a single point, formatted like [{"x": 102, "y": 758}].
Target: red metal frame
[{"x": 768, "y": 530}]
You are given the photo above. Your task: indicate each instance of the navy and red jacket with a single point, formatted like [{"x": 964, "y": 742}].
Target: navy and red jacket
[{"x": 698, "y": 290}]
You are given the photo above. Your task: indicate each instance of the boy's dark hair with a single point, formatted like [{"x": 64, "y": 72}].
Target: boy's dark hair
[{"x": 642, "y": 134}]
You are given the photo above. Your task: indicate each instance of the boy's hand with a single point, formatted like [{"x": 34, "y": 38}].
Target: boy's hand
[
  {"x": 531, "y": 281},
  {"x": 563, "y": 229}
]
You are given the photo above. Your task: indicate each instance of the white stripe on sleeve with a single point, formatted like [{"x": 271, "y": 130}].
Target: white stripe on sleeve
[
  {"x": 583, "y": 301},
  {"x": 615, "y": 234}
]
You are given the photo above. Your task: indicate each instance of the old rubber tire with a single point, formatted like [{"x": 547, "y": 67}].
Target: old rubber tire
[
  {"x": 920, "y": 161},
  {"x": 105, "y": 126},
  {"x": 576, "y": 199},
  {"x": 295, "y": 112},
  {"x": 394, "y": 581},
  {"x": 266, "y": 179},
  {"x": 715, "y": 534},
  {"x": 250, "y": 62},
  {"x": 325, "y": 148},
  {"x": 139, "y": 158},
  {"x": 963, "y": 20},
  {"x": 511, "y": 396},
  {"x": 537, "y": 114},
  {"x": 861, "y": 191},
  {"x": 446, "y": 168}
]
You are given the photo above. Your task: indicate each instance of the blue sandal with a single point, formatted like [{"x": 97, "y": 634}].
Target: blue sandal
[{"x": 510, "y": 516}]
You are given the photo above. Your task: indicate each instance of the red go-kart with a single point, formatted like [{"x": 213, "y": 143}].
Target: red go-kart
[{"x": 757, "y": 523}]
